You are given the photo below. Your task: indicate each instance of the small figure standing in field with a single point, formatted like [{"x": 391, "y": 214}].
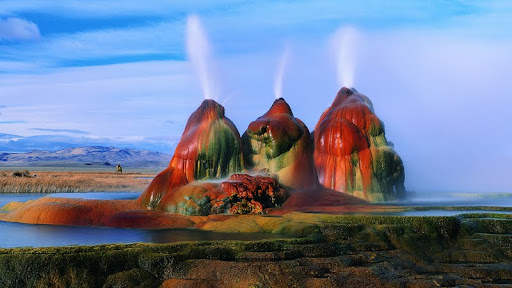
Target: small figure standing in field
[{"x": 119, "y": 169}]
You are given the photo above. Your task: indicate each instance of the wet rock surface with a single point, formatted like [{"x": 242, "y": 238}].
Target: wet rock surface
[
  {"x": 281, "y": 144},
  {"x": 239, "y": 194},
  {"x": 348, "y": 152},
  {"x": 210, "y": 148},
  {"x": 330, "y": 251},
  {"x": 352, "y": 154}
]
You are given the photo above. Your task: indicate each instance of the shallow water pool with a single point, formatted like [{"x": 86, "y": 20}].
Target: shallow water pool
[{"x": 22, "y": 235}]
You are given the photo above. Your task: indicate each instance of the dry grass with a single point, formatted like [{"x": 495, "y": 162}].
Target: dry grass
[{"x": 61, "y": 182}]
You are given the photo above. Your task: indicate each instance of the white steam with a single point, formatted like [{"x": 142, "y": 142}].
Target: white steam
[
  {"x": 198, "y": 51},
  {"x": 278, "y": 80},
  {"x": 344, "y": 43}
]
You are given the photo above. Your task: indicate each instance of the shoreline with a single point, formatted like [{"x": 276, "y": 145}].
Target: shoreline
[{"x": 327, "y": 251}]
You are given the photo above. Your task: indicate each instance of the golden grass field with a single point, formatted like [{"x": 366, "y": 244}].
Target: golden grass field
[{"x": 59, "y": 182}]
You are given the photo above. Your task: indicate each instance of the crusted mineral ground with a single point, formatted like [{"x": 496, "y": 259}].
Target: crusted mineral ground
[
  {"x": 352, "y": 154},
  {"x": 472, "y": 250},
  {"x": 130, "y": 214}
]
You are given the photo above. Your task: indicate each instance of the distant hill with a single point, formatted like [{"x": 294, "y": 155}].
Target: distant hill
[
  {"x": 93, "y": 156},
  {"x": 17, "y": 143}
]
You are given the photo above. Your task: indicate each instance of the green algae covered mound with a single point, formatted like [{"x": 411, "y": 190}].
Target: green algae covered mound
[
  {"x": 281, "y": 145},
  {"x": 239, "y": 194},
  {"x": 210, "y": 148},
  {"x": 352, "y": 154}
]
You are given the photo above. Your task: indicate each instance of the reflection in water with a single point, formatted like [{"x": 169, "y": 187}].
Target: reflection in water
[
  {"x": 459, "y": 199},
  {"x": 22, "y": 235}
]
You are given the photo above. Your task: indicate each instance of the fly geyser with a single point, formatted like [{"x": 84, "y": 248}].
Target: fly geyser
[
  {"x": 209, "y": 148},
  {"x": 346, "y": 162},
  {"x": 281, "y": 144},
  {"x": 352, "y": 154},
  {"x": 348, "y": 152}
]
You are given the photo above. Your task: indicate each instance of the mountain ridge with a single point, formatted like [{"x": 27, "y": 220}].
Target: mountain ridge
[{"x": 103, "y": 155}]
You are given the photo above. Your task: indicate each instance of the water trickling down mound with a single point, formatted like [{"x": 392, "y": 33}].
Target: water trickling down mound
[
  {"x": 281, "y": 144},
  {"x": 240, "y": 194},
  {"x": 352, "y": 154},
  {"x": 348, "y": 153},
  {"x": 209, "y": 148}
]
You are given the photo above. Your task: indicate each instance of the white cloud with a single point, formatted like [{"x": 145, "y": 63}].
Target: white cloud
[
  {"x": 159, "y": 38},
  {"x": 113, "y": 100},
  {"x": 443, "y": 97},
  {"x": 442, "y": 89},
  {"x": 235, "y": 27},
  {"x": 17, "y": 29}
]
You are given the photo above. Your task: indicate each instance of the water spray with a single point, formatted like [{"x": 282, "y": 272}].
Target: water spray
[
  {"x": 278, "y": 81},
  {"x": 198, "y": 51},
  {"x": 344, "y": 43}
]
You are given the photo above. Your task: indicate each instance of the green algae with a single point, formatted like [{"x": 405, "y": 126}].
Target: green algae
[
  {"x": 388, "y": 170},
  {"x": 399, "y": 245},
  {"x": 221, "y": 155},
  {"x": 132, "y": 278}
]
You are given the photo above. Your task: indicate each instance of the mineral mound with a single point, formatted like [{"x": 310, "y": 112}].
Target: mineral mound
[
  {"x": 210, "y": 148},
  {"x": 281, "y": 144},
  {"x": 352, "y": 154},
  {"x": 240, "y": 194}
]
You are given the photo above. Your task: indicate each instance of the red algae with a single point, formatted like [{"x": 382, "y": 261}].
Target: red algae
[
  {"x": 348, "y": 152},
  {"x": 82, "y": 212},
  {"x": 352, "y": 154},
  {"x": 209, "y": 148},
  {"x": 239, "y": 194},
  {"x": 281, "y": 145}
]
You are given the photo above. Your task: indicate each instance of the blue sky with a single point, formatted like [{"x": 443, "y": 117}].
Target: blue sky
[{"x": 117, "y": 73}]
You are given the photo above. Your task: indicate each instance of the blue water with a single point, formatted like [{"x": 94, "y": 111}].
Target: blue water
[
  {"x": 28, "y": 235},
  {"x": 21, "y": 235},
  {"x": 459, "y": 199},
  {"x": 25, "y": 235}
]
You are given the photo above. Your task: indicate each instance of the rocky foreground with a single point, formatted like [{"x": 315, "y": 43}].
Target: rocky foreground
[{"x": 472, "y": 250}]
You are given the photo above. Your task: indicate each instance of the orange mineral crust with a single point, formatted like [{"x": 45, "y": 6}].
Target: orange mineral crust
[
  {"x": 280, "y": 144},
  {"x": 209, "y": 148},
  {"x": 82, "y": 212},
  {"x": 239, "y": 194},
  {"x": 352, "y": 154},
  {"x": 129, "y": 214}
]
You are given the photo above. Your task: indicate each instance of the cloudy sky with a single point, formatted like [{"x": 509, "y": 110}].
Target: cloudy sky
[{"x": 117, "y": 72}]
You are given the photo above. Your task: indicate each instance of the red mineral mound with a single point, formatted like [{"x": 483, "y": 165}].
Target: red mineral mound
[
  {"x": 279, "y": 143},
  {"x": 240, "y": 194},
  {"x": 352, "y": 154},
  {"x": 209, "y": 148},
  {"x": 82, "y": 212}
]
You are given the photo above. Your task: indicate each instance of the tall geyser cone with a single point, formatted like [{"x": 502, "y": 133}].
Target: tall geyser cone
[
  {"x": 280, "y": 144},
  {"x": 352, "y": 154},
  {"x": 210, "y": 148}
]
